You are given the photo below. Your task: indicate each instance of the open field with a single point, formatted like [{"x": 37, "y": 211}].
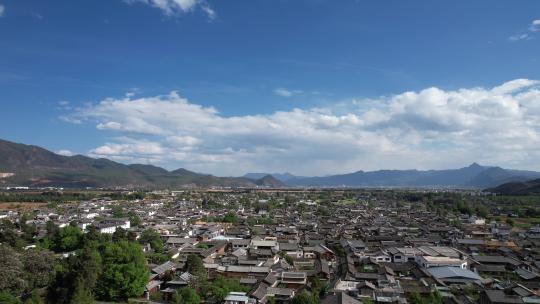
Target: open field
[{"x": 21, "y": 206}]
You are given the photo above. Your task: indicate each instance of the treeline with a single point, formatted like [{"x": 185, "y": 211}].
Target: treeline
[
  {"x": 44, "y": 197},
  {"x": 523, "y": 207},
  {"x": 442, "y": 205},
  {"x": 63, "y": 197}
]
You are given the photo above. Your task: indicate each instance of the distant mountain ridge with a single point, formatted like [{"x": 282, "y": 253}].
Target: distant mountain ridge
[
  {"x": 284, "y": 177},
  {"x": 517, "y": 188},
  {"x": 269, "y": 181},
  {"x": 473, "y": 176},
  {"x": 26, "y": 165}
]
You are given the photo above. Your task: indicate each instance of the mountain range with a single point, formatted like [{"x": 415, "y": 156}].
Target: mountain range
[
  {"x": 27, "y": 165},
  {"x": 284, "y": 177},
  {"x": 473, "y": 176}
]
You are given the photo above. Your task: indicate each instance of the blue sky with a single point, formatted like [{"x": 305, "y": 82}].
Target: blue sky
[{"x": 312, "y": 87}]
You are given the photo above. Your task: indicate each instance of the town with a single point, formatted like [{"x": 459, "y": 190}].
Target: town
[
  {"x": 239, "y": 246},
  {"x": 269, "y": 152}
]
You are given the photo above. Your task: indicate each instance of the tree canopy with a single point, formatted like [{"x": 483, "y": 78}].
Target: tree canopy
[
  {"x": 152, "y": 237},
  {"x": 124, "y": 272},
  {"x": 186, "y": 296}
]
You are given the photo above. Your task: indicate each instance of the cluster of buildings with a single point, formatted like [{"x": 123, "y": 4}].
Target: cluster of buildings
[{"x": 362, "y": 248}]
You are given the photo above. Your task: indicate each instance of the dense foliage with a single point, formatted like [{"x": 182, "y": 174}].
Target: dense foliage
[
  {"x": 95, "y": 266},
  {"x": 186, "y": 296},
  {"x": 124, "y": 273},
  {"x": 63, "y": 197}
]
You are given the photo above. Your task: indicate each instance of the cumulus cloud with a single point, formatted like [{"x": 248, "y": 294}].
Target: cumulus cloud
[
  {"x": 175, "y": 7},
  {"x": 65, "y": 153},
  {"x": 430, "y": 128}
]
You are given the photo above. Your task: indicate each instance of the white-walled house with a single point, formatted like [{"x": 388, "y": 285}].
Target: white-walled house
[
  {"x": 110, "y": 225},
  {"x": 440, "y": 261}
]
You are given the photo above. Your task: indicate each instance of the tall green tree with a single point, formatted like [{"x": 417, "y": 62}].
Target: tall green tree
[
  {"x": 81, "y": 294},
  {"x": 89, "y": 267},
  {"x": 305, "y": 297},
  {"x": 34, "y": 298},
  {"x": 117, "y": 211},
  {"x": 124, "y": 272},
  {"x": 29, "y": 230},
  {"x": 119, "y": 235},
  {"x": 230, "y": 217},
  {"x": 11, "y": 271},
  {"x": 68, "y": 238},
  {"x": 134, "y": 219},
  {"x": 9, "y": 236},
  {"x": 195, "y": 265},
  {"x": 38, "y": 268},
  {"x": 221, "y": 287},
  {"x": 152, "y": 237},
  {"x": 76, "y": 277},
  {"x": 186, "y": 296}
]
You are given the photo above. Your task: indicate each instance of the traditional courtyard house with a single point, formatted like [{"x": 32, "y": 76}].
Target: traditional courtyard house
[
  {"x": 265, "y": 244},
  {"x": 454, "y": 275},
  {"x": 291, "y": 249},
  {"x": 403, "y": 254},
  {"x": 293, "y": 280},
  {"x": 241, "y": 243},
  {"x": 237, "y": 298}
]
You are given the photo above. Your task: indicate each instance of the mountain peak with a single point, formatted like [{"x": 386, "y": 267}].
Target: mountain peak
[
  {"x": 269, "y": 181},
  {"x": 475, "y": 165}
]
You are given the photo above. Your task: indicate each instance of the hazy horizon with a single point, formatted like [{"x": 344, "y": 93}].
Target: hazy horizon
[{"x": 242, "y": 174}]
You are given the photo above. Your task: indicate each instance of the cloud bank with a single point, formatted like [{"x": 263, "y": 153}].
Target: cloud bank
[{"x": 428, "y": 129}]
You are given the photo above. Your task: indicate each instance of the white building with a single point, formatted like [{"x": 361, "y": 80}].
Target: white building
[
  {"x": 264, "y": 244},
  {"x": 404, "y": 254},
  {"x": 110, "y": 225},
  {"x": 440, "y": 261},
  {"x": 236, "y": 298}
]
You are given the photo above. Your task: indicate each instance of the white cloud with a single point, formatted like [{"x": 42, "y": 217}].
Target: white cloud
[
  {"x": 527, "y": 35},
  {"x": 175, "y": 7},
  {"x": 69, "y": 118},
  {"x": 209, "y": 11},
  {"x": 130, "y": 150},
  {"x": 517, "y": 37},
  {"x": 183, "y": 140},
  {"x": 535, "y": 26},
  {"x": 431, "y": 128},
  {"x": 65, "y": 152},
  {"x": 2, "y": 10},
  {"x": 283, "y": 92}
]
